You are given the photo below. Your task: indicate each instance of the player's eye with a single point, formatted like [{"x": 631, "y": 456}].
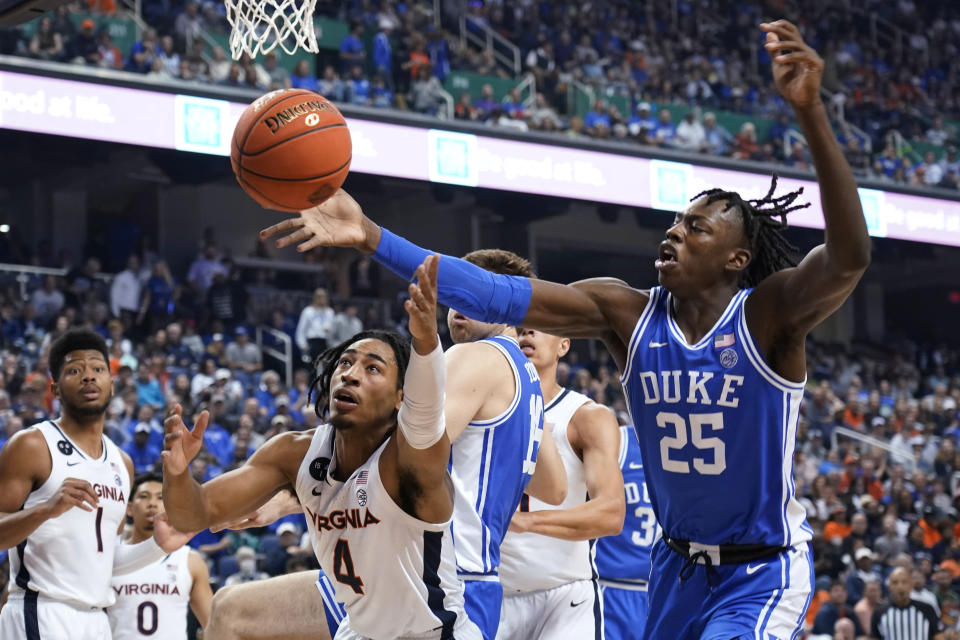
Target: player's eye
[
  {"x": 344, "y": 362},
  {"x": 374, "y": 368}
]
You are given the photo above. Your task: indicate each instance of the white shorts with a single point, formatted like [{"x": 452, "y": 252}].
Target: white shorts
[
  {"x": 569, "y": 611},
  {"x": 464, "y": 629},
  {"x": 40, "y": 618}
]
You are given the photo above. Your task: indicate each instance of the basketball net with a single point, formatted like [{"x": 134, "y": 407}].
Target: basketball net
[{"x": 259, "y": 26}]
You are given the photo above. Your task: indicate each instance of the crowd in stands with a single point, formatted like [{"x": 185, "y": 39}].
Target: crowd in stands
[
  {"x": 895, "y": 86},
  {"x": 186, "y": 338}
]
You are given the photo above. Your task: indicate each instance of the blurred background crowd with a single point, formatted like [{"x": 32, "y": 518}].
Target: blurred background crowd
[{"x": 689, "y": 75}]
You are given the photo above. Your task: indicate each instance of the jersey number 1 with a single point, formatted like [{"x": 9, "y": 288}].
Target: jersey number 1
[{"x": 343, "y": 567}]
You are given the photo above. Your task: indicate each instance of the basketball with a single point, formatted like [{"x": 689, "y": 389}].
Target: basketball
[{"x": 291, "y": 150}]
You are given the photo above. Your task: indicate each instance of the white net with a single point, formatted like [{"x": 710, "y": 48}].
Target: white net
[{"x": 261, "y": 25}]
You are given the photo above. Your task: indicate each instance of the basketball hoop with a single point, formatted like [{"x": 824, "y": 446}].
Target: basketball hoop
[{"x": 258, "y": 26}]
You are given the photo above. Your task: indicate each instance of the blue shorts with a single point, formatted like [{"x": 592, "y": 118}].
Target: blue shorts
[
  {"x": 624, "y": 612},
  {"x": 331, "y": 608},
  {"x": 482, "y": 600},
  {"x": 764, "y": 600}
]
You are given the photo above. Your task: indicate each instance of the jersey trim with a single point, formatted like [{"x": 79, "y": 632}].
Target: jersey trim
[
  {"x": 74, "y": 444},
  {"x": 756, "y": 359},
  {"x": 334, "y": 608},
  {"x": 705, "y": 340},
  {"x": 556, "y": 400},
  {"x": 622, "y": 456},
  {"x": 626, "y": 585},
  {"x": 432, "y": 547},
  {"x": 486, "y": 453},
  {"x": 638, "y": 330},
  {"x": 31, "y": 621},
  {"x": 493, "y": 422},
  {"x": 597, "y": 597}
]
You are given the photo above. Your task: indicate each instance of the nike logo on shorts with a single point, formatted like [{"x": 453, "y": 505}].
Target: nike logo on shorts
[
  {"x": 577, "y": 604},
  {"x": 657, "y": 345},
  {"x": 752, "y": 569},
  {"x": 634, "y": 465},
  {"x": 73, "y": 464}
]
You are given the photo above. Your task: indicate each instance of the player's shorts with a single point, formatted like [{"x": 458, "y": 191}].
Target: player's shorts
[
  {"x": 36, "y": 618},
  {"x": 463, "y": 630},
  {"x": 571, "y": 610},
  {"x": 332, "y": 609},
  {"x": 624, "y": 611},
  {"x": 482, "y": 600},
  {"x": 765, "y": 599}
]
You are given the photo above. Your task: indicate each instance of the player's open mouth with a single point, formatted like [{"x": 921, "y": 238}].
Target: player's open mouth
[
  {"x": 345, "y": 400},
  {"x": 527, "y": 348},
  {"x": 667, "y": 257},
  {"x": 90, "y": 393},
  {"x": 459, "y": 319}
]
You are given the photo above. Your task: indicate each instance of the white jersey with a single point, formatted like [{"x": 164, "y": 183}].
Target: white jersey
[
  {"x": 153, "y": 601},
  {"x": 70, "y": 558},
  {"x": 395, "y": 575},
  {"x": 533, "y": 562}
]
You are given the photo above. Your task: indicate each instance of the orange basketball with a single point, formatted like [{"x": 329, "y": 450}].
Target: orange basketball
[{"x": 291, "y": 149}]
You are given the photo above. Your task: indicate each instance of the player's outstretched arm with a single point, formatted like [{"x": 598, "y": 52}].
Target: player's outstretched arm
[
  {"x": 570, "y": 310},
  {"x": 24, "y": 465},
  {"x": 594, "y": 432},
  {"x": 422, "y": 444},
  {"x": 191, "y": 506},
  {"x": 791, "y": 302}
]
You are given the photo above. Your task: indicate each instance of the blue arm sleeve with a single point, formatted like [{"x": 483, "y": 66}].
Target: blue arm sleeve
[{"x": 474, "y": 292}]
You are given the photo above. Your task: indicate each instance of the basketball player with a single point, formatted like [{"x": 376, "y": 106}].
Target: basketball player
[
  {"x": 547, "y": 559},
  {"x": 154, "y": 599},
  {"x": 494, "y": 419},
  {"x": 373, "y": 482},
  {"x": 713, "y": 366},
  {"x": 63, "y": 499},
  {"x": 623, "y": 561}
]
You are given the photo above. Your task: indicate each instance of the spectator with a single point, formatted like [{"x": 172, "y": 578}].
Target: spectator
[
  {"x": 158, "y": 298},
  {"x": 242, "y": 354},
  {"x": 330, "y": 84},
  {"x": 597, "y": 118},
  {"x": 383, "y": 51},
  {"x": 125, "y": 292},
  {"x": 844, "y": 629},
  {"x": 143, "y": 52},
  {"x": 542, "y": 113},
  {"x": 426, "y": 94},
  {"x": 203, "y": 270},
  {"x": 216, "y": 439},
  {"x": 745, "y": 143},
  {"x": 642, "y": 124},
  {"x": 358, "y": 86},
  {"x": 438, "y": 52},
  {"x": 364, "y": 275},
  {"x": 247, "y": 563},
  {"x": 665, "y": 133},
  {"x": 513, "y": 105},
  {"x": 352, "y": 51},
  {"x": 220, "y": 66},
  {"x": 834, "y": 609},
  {"x": 302, "y": 78},
  {"x": 109, "y": 55},
  {"x": 717, "y": 138},
  {"x": 857, "y": 157},
  {"x": 346, "y": 324},
  {"x": 83, "y": 47},
  {"x": 930, "y": 170},
  {"x": 418, "y": 57},
  {"x": 169, "y": 57},
  {"x": 47, "y": 43},
  {"x": 872, "y": 598},
  {"x": 144, "y": 454},
  {"x": 798, "y": 159},
  {"x": 188, "y": 25},
  {"x": 278, "y": 77},
  {"x": 149, "y": 390},
  {"x": 486, "y": 104},
  {"x": 194, "y": 64},
  {"x": 861, "y": 574},
  {"x": 936, "y": 134},
  {"x": 690, "y": 134},
  {"x": 381, "y": 95},
  {"x": 315, "y": 326},
  {"x": 47, "y": 301}
]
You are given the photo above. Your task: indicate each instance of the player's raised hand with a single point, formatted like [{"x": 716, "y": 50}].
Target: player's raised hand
[
  {"x": 797, "y": 68},
  {"x": 74, "y": 492},
  {"x": 181, "y": 444},
  {"x": 337, "y": 222},
  {"x": 168, "y": 538},
  {"x": 422, "y": 306}
]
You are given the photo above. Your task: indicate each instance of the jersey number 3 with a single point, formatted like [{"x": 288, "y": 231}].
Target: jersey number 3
[
  {"x": 714, "y": 421},
  {"x": 343, "y": 567}
]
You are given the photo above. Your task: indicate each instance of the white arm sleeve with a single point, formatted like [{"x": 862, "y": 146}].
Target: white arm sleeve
[
  {"x": 421, "y": 414},
  {"x": 130, "y": 557}
]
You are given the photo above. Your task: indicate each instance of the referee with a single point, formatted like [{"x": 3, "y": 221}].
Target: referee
[{"x": 903, "y": 618}]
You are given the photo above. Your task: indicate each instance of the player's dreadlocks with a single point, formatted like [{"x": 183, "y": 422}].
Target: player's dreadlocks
[
  {"x": 763, "y": 222},
  {"x": 326, "y": 364}
]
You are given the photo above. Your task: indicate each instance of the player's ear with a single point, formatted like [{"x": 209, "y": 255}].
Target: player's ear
[
  {"x": 564, "y": 347},
  {"x": 739, "y": 259},
  {"x": 399, "y": 399}
]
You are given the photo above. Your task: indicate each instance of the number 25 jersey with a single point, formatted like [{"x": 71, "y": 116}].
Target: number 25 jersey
[{"x": 716, "y": 427}]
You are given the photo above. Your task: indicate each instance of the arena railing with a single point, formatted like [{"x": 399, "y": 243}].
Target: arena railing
[
  {"x": 283, "y": 354},
  {"x": 24, "y": 272},
  {"x": 898, "y": 455}
]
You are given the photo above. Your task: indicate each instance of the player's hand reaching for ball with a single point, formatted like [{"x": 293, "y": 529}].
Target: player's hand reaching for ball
[
  {"x": 181, "y": 444},
  {"x": 797, "y": 68},
  {"x": 337, "y": 222},
  {"x": 74, "y": 492},
  {"x": 422, "y": 306}
]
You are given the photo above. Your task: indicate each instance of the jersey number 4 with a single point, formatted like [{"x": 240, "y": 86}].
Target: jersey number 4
[
  {"x": 343, "y": 567},
  {"x": 714, "y": 421}
]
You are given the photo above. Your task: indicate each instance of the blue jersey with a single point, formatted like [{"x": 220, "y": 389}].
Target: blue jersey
[
  {"x": 716, "y": 427},
  {"x": 491, "y": 463},
  {"x": 626, "y": 557}
]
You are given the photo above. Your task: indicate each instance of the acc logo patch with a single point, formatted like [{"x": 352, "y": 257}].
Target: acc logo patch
[
  {"x": 362, "y": 497},
  {"x": 728, "y": 358},
  {"x": 65, "y": 448},
  {"x": 318, "y": 469}
]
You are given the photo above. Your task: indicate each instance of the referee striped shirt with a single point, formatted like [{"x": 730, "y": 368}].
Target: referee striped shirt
[{"x": 916, "y": 621}]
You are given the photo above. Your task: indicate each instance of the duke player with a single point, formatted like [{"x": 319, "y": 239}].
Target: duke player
[
  {"x": 154, "y": 599},
  {"x": 713, "y": 363},
  {"x": 373, "y": 483},
  {"x": 623, "y": 561},
  {"x": 547, "y": 559},
  {"x": 63, "y": 498}
]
